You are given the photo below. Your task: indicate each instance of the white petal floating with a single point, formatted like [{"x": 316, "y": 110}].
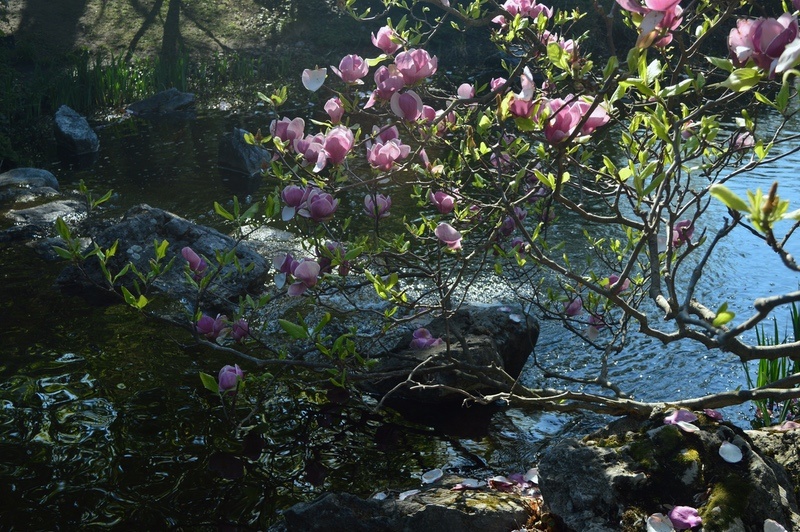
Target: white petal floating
[
  {"x": 659, "y": 523},
  {"x": 685, "y": 426},
  {"x": 730, "y": 453},
  {"x": 773, "y": 526},
  {"x": 406, "y": 494},
  {"x": 532, "y": 476},
  {"x": 432, "y": 476},
  {"x": 472, "y": 483},
  {"x": 380, "y": 495}
]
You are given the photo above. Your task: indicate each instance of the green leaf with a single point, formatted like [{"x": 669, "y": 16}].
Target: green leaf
[
  {"x": 251, "y": 211},
  {"x": 742, "y": 79},
  {"x": 161, "y": 249},
  {"x": 723, "y": 316},
  {"x": 219, "y": 209},
  {"x": 729, "y": 198},
  {"x": 63, "y": 229},
  {"x": 675, "y": 90},
  {"x": 138, "y": 303},
  {"x": 209, "y": 382},
  {"x": 722, "y": 63},
  {"x": 294, "y": 330},
  {"x": 377, "y": 60}
]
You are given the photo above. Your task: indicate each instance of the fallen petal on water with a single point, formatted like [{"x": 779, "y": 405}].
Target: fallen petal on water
[
  {"x": 432, "y": 476},
  {"x": 406, "y": 494}
]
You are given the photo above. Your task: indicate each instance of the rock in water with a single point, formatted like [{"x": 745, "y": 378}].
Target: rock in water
[{"x": 73, "y": 134}]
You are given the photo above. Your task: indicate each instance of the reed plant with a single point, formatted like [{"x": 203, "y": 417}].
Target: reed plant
[{"x": 769, "y": 411}]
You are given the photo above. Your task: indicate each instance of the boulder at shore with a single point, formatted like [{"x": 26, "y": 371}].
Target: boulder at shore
[{"x": 73, "y": 134}]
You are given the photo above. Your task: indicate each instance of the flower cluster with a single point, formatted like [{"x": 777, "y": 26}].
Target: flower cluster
[{"x": 220, "y": 327}]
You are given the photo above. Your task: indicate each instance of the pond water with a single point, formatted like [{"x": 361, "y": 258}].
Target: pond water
[{"x": 103, "y": 420}]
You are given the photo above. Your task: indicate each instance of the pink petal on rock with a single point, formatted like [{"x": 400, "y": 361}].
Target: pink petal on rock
[{"x": 679, "y": 415}]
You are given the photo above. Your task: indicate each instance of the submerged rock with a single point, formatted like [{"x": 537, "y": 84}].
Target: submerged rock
[
  {"x": 165, "y": 102},
  {"x": 236, "y": 155},
  {"x": 73, "y": 134},
  {"x": 26, "y": 184},
  {"x": 136, "y": 233},
  {"x": 620, "y": 475},
  {"x": 436, "y": 508}
]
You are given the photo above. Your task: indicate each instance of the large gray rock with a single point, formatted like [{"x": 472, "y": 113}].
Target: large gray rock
[
  {"x": 135, "y": 234},
  {"x": 621, "y": 475},
  {"x": 236, "y": 155},
  {"x": 480, "y": 338},
  {"x": 73, "y": 133},
  {"x": 23, "y": 184},
  {"x": 166, "y": 102},
  {"x": 436, "y": 509}
]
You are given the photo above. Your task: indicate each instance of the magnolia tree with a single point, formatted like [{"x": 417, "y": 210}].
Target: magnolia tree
[{"x": 632, "y": 148}]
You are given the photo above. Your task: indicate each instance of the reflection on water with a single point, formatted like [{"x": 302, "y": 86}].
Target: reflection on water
[{"x": 103, "y": 420}]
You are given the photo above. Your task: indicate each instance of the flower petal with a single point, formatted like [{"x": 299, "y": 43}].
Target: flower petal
[
  {"x": 432, "y": 476},
  {"x": 730, "y": 452}
]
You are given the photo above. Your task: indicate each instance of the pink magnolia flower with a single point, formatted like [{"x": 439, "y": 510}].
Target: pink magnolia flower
[
  {"x": 338, "y": 143},
  {"x": 415, "y": 65},
  {"x": 573, "y": 307},
  {"x": 210, "y": 327},
  {"x": 598, "y": 117},
  {"x": 284, "y": 263},
  {"x": 658, "y": 19},
  {"x": 684, "y": 517},
  {"x": 682, "y": 232},
  {"x": 311, "y": 148},
  {"x": 524, "y": 8},
  {"x": 448, "y": 234},
  {"x": 229, "y": 377},
  {"x": 567, "y": 113},
  {"x": 313, "y": 79},
  {"x": 335, "y": 109},
  {"x": 520, "y": 108},
  {"x": 562, "y": 121},
  {"x": 377, "y": 207},
  {"x": 288, "y": 130},
  {"x": 466, "y": 91},
  {"x": 331, "y": 251},
  {"x": 383, "y": 156},
  {"x": 407, "y": 105},
  {"x": 388, "y": 81},
  {"x": 351, "y": 69},
  {"x": 444, "y": 203},
  {"x": 617, "y": 286},
  {"x": 763, "y": 40},
  {"x": 497, "y": 83},
  {"x": 743, "y": 140},
  {"x": 320, "y": 206},
  {"x": 386, "y": 40},
  {"x": 423, "y": 339},
  {"x": 240, "y": 330},
  {"x": 294, "y": 196},
  {"x": 386, "y": 134},
  {"x": 197, "y": 265},
  {"x": 306, "y": 275}
]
